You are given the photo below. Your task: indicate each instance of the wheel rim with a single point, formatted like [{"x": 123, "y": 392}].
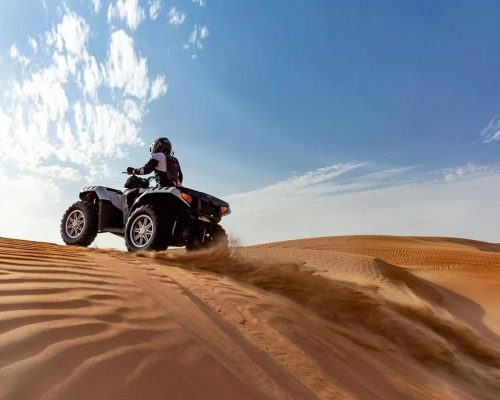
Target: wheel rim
[
  {"x": 75, "y": 223},
  {"x": 141, "y": 231}
]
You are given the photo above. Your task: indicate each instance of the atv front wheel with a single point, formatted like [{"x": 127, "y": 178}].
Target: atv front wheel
[
  {"x": 148, "y": 228},
  {"x": 79, "y": 224}
]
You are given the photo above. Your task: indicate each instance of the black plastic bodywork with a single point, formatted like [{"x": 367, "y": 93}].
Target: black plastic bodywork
[
  {"x": 205, "y": 205},
  {"x": 192, "y": 221}
]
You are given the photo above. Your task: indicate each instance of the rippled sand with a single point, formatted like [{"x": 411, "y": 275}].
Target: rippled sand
[{"x": 361, "y": 317}]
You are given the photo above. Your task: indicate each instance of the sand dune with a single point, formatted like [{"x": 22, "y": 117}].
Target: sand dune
[{"x": 362, "y": 317}]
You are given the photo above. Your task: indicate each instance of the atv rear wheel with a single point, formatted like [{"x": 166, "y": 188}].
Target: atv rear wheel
[
  {"x": 148, "y": 228},
  {"x": 218, "y": 238},
  {"x": 79, "y": 224}
]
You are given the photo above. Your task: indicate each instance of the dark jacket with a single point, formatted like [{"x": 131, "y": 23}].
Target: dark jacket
[{"x": 159, "y": 163}]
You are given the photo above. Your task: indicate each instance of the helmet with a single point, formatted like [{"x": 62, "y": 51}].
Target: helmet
[{"x": 161, "y": 145}]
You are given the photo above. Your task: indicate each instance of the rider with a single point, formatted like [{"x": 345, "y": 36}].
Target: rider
[{"x": 166, "y": 167}]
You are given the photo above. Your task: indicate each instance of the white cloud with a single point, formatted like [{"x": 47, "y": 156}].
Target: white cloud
[
  {"x": 14, "y": 53},
  {"x": 158, "y": 87},
  {"x": 106, "y": 130},
  {"x": 98, "y": 172},
  {"x": 340, "y": 200},
  {"x": 57, "y": 119},
  {"x": 70, "y": 35},
  {"x": 93, "y": 75},
  {"x": 133, "y": 110},
  {"x": 126, "y": 70},
  {"x": 491, "y": 133},
  {"x": 97, "y": 5},
  {"x": 58, "y": 172},
  {"x": 74, "y": 31},
  {"x": 467, "y": 171},
  {"x": 16, "y": 56},
  {"x": 201, "y": 3},
  {"x": 197, "y": 37},
  {"x": 175, "y": 17},
  {"x": 204, "y": 32},
  {"x": 33, "y": 44},
  {"x": 154, "y": 9},
  {"x": 128, "y": 11}
]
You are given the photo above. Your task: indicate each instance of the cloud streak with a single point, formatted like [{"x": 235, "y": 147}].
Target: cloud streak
[
  {"x": 363, "y": 199},
  {"x": 491, "y": 133}
]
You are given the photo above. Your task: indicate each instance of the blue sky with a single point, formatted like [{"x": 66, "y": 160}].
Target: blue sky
[
  {"x": 272, "y": 90},
  {"x": 307, "y": 84}
]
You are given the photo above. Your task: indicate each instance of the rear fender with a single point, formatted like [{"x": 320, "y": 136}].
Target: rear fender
[{"x": 167, "y": 198}]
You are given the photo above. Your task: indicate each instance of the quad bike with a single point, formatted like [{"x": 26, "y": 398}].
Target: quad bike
[{"x": 149, "y": 218}]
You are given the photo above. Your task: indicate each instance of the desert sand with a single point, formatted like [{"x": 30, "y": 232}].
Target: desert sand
[{"x": 358, "y": 317}]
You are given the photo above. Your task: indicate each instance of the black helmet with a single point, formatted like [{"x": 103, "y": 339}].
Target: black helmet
[{"x": 161, "y": 145}]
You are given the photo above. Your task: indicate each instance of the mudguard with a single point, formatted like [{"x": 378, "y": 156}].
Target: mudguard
[
  {"x": 161, "y": 197},
  {"x": 113, "y": 207},
  {"x": 116, "y": 197}
]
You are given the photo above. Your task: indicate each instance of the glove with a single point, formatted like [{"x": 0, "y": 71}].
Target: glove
[{"x": 130, "y": 170}]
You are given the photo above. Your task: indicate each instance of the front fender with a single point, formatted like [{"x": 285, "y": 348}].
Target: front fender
[{"x": 95, "y": 192}]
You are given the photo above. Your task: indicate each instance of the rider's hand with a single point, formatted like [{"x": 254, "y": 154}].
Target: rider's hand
[{"x": 130, "y": 170}]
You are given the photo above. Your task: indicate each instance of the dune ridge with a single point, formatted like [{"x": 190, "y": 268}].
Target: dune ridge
[{"x": 328, "y": 318}]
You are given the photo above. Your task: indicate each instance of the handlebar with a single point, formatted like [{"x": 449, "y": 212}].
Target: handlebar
[{"x": 149, "y": 178}]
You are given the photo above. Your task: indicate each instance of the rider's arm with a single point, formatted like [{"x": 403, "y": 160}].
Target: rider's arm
[{"x": 148, "y": 168}]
